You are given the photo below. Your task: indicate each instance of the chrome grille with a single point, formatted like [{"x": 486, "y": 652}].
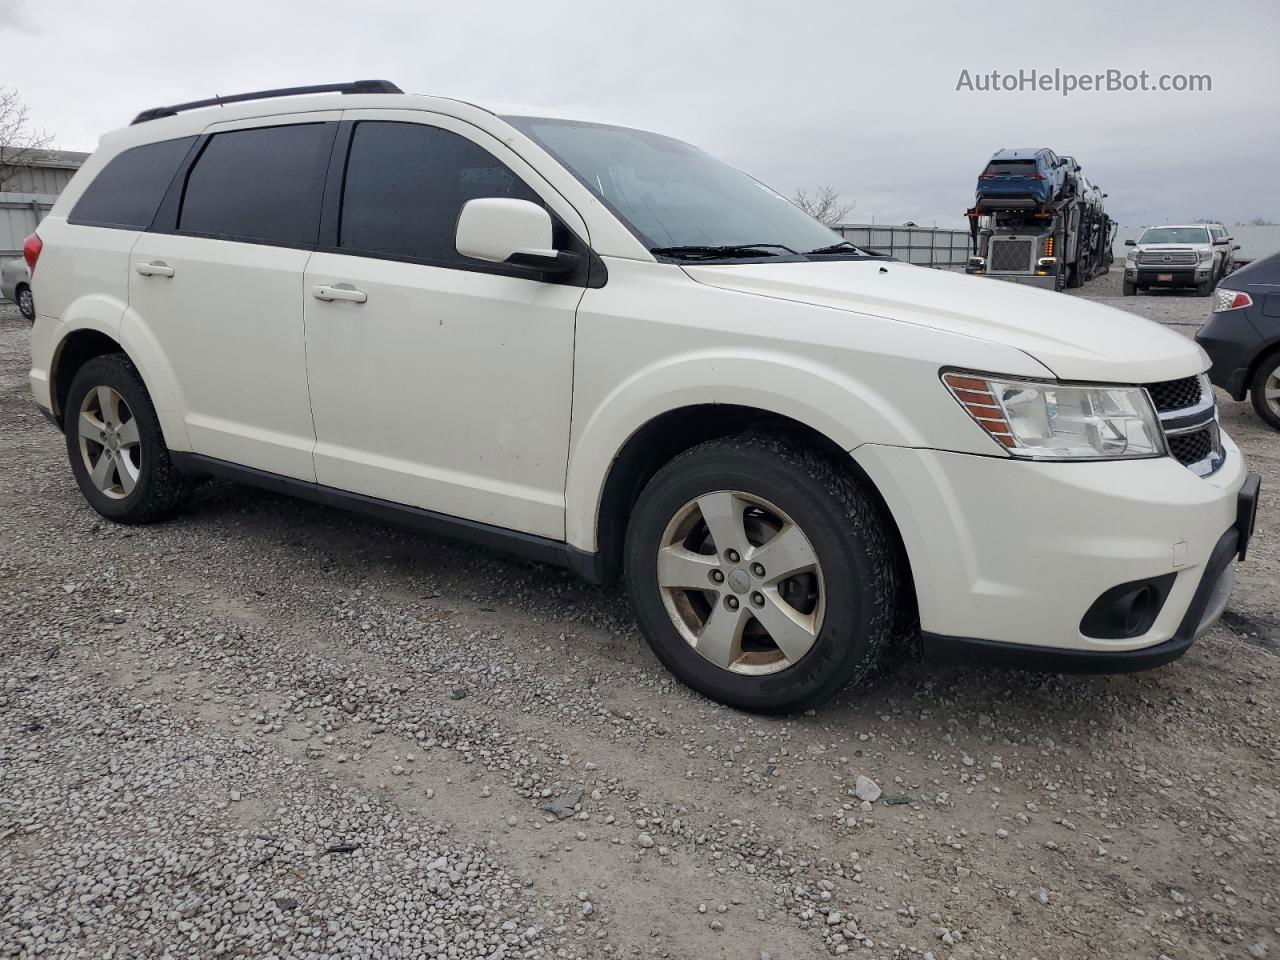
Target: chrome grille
[
  {"x": 1172, "y": 258},
  {"x": 1176, "y": 394},
  {"x": 1191, "y": 448},
  {"x": 1189, "y": 418},
  {"x": 1010, "y": 255}
]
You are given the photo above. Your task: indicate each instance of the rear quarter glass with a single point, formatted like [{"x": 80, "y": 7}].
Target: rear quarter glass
[{"x": 130, "y": 187}]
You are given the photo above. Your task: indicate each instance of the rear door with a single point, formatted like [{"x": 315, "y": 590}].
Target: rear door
[
  {"x": 217, "y": 284},
  {"x": 447, "y": 386}
]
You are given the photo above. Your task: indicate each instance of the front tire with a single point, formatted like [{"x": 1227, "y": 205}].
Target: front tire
[
  {"x": 117, "y": 452},
  {"x": 1265, "y": 391},
  {"x": 761, "y": 576},
  {"x": 1204, "y": 289},
  {"x": 1130, "y": 288}
]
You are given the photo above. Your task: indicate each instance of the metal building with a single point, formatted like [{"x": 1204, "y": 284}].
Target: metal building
[{"x": 29, "y": 191}]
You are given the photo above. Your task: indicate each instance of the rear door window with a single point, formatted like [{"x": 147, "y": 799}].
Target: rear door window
[
  {"x": 128, "y": 191},
  {"x": 261, "y": 185},
  {"x": 405, "y": 186}
]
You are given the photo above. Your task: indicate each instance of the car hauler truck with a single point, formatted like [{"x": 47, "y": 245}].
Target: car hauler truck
[{"x": 1038, "y": 220}]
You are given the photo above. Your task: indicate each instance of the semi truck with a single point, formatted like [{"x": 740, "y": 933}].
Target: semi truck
[{"x": 1038, "y": 220}]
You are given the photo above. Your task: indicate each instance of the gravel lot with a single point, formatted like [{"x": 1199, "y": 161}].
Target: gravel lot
[{"x": 268, "y": 728}]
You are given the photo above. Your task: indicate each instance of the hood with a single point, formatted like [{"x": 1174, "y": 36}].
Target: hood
[{"x": 1075, "y": 338}]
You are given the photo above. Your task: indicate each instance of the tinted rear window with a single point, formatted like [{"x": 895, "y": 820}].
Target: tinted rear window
[
  {"x": 129, "y": 189},
  {"x": 259, "y": 185},
  {"x": 1010, "y": 168},
  {"x": 405, "y": 187}
]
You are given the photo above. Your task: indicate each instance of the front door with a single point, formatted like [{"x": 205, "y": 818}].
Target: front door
[{"x": 438, "y": 381}]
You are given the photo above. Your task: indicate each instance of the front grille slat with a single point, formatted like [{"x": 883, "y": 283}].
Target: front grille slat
[
  {"x": 1176, "y": 394},
  {"x": 1189, "y": 448},
  {"x": 1173, "y": 258}
]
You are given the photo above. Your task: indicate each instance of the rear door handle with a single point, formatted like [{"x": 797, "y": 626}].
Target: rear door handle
[
  {"x": 157, "y": 268},
  {"x": 339, "y": 291}
]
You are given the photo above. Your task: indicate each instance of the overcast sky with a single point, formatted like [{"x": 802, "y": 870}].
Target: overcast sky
[{"x": 858, "y": 96}]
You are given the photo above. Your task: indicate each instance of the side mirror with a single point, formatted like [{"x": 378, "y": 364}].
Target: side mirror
[
  {"x": 504, "y": 230},
  {"x": 1227, "y": 239},
  {"x": 1131, "y": 243},
  {"x": 1236, "y": 247}
]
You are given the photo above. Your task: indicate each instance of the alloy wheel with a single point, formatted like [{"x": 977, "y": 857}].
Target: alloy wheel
[
  {"x": 109, "y": 442},
  {"x": 741, "y": 582},
  {"x": 26, "y": 304},
  {"x": 1271, "y": 391}
]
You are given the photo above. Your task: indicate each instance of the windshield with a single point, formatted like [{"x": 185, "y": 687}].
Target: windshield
[
  {"x": 1175, "y": 235},
  {"x": 672, "y": 195}
]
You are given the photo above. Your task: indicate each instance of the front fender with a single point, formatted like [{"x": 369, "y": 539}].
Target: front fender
[{"x": 847, "y": 411}]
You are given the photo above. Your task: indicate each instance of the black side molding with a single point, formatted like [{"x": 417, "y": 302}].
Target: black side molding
[
  {"x": 355, "y": 86},
  {"x": 589, "y": 566},
  {"x": 940, "y": 650}
]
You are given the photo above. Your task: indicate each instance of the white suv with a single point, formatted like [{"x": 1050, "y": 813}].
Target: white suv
[{"x": 600, "y": 347}]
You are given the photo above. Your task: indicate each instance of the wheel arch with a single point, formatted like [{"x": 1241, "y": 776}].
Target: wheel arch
[
  {"x": 87, "y": 340},
  {"x": 665, "y": 436}
]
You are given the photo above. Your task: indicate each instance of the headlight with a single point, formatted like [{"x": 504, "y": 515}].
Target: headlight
[
  {"x": 1044, "y": 420},
  {"x": 1206, "y": 255}
]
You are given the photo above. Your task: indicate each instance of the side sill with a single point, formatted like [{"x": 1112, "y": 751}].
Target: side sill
[{"x": 589, "y": 566}]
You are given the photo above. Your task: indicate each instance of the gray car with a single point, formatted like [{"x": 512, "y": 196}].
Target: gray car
[{"x": 15, "y": 285}]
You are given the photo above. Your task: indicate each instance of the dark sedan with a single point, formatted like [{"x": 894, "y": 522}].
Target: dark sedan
[{"x": 1242, "y": 337}]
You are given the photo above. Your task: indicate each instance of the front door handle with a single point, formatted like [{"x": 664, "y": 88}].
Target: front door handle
[
  {"x": 339, "y": 291},
  {"x": 156, "y": 268}
]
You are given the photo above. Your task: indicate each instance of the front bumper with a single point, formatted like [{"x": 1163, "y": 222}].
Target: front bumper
[
  {"x": 1016, "y": 552},
  {"x": 1181, "y": 276},
  {"x": 1029, "y": 279},
  {"x": 1231, "y": 341}
]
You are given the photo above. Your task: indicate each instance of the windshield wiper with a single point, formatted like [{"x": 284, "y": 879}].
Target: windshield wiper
[
  {"x": 835, "y": 248},
  {"x": 723, "y": 250}
]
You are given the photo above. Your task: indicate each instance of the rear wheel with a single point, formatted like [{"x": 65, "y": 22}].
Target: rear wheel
[
  {"x": 1265, "y": 391},
  {"x": 26, "y": 303},
  {"x": 118, "y": 455},
  {"x": 760, "y": 575}
]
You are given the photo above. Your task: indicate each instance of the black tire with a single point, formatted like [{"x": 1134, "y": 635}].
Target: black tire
[
  {"x": 1268, "y": 368},
  {"x": 848, "y": 535},
  {"x": 159, "y": 487},
  {"x": 1075, "y": 279},
  {"x": 26, "y": 304},
  {"x": 1130, "y": 288},
  {"x": 1206, "y": 288}
]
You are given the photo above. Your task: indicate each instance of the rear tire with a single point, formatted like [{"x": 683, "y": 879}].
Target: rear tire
[
  {"x": 26, "y": 303},
  {"x": 792, "y": 582},
  {"x": 1130, "y": 288},
  {"x": 117, "y": 452},
  {"x": 1264, "y": 391}
]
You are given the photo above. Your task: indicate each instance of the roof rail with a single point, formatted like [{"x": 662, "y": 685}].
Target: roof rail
[{"x": 356, "y": 86}]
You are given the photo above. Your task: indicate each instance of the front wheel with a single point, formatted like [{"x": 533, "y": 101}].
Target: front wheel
[
  {"x": 1265, "y": 391},
  {"x": 1130, "y": 288},
  {"x": 761, "y": 576},
  {"x": 1204, "y": 289},
  {"x": 117, "y": 452}
]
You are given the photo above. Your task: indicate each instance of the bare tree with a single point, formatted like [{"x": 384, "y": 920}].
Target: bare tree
[
  {"x": 20, "y": 142},
  {"x": 1258, "y": 222},
  {"x": 824, "y": 205}
]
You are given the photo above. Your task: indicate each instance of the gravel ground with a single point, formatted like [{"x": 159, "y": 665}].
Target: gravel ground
[{"x": 268, "y": 728}]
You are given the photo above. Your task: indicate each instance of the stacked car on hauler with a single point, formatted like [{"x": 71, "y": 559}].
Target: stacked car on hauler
[{"x": 1038, "y": 220}]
